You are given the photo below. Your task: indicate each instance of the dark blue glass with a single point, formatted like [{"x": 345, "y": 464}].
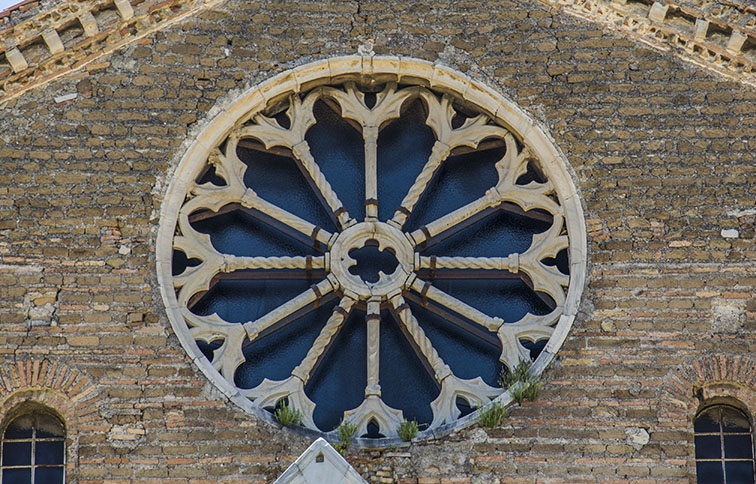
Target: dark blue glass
[
  {"x": 48, "y": 453},
  {"x": 405, "y": 383},
  {"x": 211, "y": 176},
  {"x": 464, "y": 407},
  {"x": 278, "y": 180},
  {"x": 497, "y": 235},
  {"x": 509, "y": 299},
  {"x": 404, "y": 147},
  {"x": 739, "y": 472},
  {"x": 180, "y": 262},
  {"x": 466, "y": 354},
  {"x": 16, "y": 453},
  {"x": 208, "y": 349},
  {"x": 371, "y": 261},
  {"x": 20, "y": 428},
  {"x": 708, "y": 447},
  {"x": 338, "y": 384},
  {"x": 239, "y": 301},
  {"x": 561, "y": 261},
  {"x": 709, "y": 472},
  {"x": 373, "y": 432},
  {"x": 460, "y": 180},
  {"x": 239, "y": 233},
  {"x": 535, "y": 348},
  {"x": 532, "y": 174},
  {"x": 738, "y": 447},
  {"x": 339, "y": 151},
  {"x": 19, "y": 476},
  {"x": 275, "y": 355}
]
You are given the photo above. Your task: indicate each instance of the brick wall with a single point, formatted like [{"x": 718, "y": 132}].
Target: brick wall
[{"x": 663, "y": 153}]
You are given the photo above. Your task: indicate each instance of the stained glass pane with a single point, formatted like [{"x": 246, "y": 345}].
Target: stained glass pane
[
  {"x": 20, "y": 428},
  {"x": 738, "y": 447},
  {"x": 16, "y": 453},
  {"x": 264, "y": 174},
  {"x": 739, "y": 472},
  {"x": 48, "y": 453},
  {"x": 709, "y": 472},
  {"x": 468, "y": 354},
  {"x": 405, "y": 382},
  {"x": 338, "y": 150},
  {"x": 403, "y": 149},
  {"x": 274, "y": 356},
  {"x": 17, "y": 476},
  {"x": 708, "y": 447},
  {"x": 239, "y": 301},
  {"x": 339, "y": 382}
]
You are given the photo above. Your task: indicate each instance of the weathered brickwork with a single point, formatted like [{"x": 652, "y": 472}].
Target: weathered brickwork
[{"x": 662, "y": 151}]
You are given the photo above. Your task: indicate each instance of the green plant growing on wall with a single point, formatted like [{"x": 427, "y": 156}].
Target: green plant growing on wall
[
  {"x": 407, "y": 430},
  {"x": 346, "y": 431},
  {"x": 520, "y": 373},
  {"x": 522, "y": 385},
  {"x": 493, "y": 415},
  {"x": 287, "y": 415}
]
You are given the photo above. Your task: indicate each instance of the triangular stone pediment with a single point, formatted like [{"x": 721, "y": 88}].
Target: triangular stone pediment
[{"x": 320, "y": 464}]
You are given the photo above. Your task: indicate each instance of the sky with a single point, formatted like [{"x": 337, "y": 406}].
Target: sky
[{"x": 7, "y": 3}]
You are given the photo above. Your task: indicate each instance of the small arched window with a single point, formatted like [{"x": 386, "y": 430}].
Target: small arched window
[
  {"x": 33, "y": 448},
  {"x": 724, "y": 445}
]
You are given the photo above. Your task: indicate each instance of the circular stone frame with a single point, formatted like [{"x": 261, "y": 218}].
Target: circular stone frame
[{"x": 368, "y": 70}]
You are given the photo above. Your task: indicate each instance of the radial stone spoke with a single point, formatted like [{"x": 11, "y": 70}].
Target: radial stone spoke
[
  {"x": 478, "y": 332},
  {"x": 455, "y": 221},
  {"x": 288, "y": 311},
  {"x": 370, "y": 135},
  {"x": 440, "y": 118},
  {"x": 271, "y": 134},
  {"x": 509, "y": 263},
  {"x": 277, "y": 216},
  {"x": 354, "y": 108},
  {"x": 280, "y": 268},
  {"x": 442, "y": 267},
  {"x": 426, "y": 290},
  {"x": 324, "y": 340},
  {"x": 422, "y": 344},
  {"x": 475, "y": 391},
  {"x": 268, "y": 393},
  {"x": 439, "y": 152},
  {"x": 320, "y": 185},
  {"x": 373, "y": 321}
]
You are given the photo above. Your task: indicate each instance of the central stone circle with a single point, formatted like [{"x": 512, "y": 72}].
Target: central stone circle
[{"x": 372, "y": 259}]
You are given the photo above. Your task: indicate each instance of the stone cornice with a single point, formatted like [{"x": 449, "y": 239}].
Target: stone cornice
[
  {"x": 719, "y": 35},
  {"x": 72, "y": 35}
]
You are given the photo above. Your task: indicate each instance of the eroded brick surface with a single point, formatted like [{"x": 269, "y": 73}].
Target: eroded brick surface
[{"x": 663, "y": 154}]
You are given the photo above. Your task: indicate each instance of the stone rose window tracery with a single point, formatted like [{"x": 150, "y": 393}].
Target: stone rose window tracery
[{"x": 371, "y": 245}]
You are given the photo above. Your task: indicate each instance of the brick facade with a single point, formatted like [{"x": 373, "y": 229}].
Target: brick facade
[{"x": 662, "y": 152}]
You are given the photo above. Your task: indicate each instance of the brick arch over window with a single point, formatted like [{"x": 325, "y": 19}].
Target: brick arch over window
[
  {"x": 696, "y": 382},
  {"x": 56, "y": 385}
]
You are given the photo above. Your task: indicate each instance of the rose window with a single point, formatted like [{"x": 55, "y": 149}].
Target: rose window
[{"x": 370, "y": 246}]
